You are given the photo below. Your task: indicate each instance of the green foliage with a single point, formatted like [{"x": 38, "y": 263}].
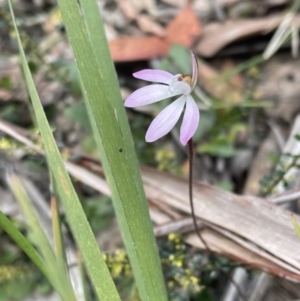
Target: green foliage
[
  {"x": 165, "y": 159},
  {"x": 88, "y": 144},
  {"x": 81, "y": 230},
  {"x": 219, "y": 147},
  {"x": 111, "y": 131},
  {"x": 145, "y": 151},
  {"x": 71, "y": 76},
  {"x": 181, "y": 270},
  {"x": 78, "y": 113},
  {"x": 181, "y": 58},
  {"x": 55, "y": 265},
  {"x": 219, "y": 129},
  {"x": 270, "y": 181},
  {"x": 10, "y": 113},
  {"x": 222, "y": 133},
  {"x": 5, "y": 83},
  {"x": 7, "y": 144},
  {"x": 99, "y": 212},
  {"x": 206, "y": 125},
  {"x": 18, "y": 281},
  {"x": 177, "y": 61},
  {"x": 225, "y": 185},
  {"x": 18, "y": 278}
]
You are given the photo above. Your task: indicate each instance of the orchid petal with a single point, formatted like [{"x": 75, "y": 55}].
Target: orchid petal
[
  {"x": 195, "y": 70},
  {"x": 148, "y": 95},
  {"x": 180, "y": 88},
  {"x": 165, "y": 120},
  {"x": 190, "y": 120},
  {"x": 157, "y": 76}
]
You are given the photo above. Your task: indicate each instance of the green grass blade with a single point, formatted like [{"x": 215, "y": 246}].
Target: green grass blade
[
  {"x": 57, "y": 236},
  {"x": 23, "y": 243},
  {"x": 38, "y": 234},
  {"x": 226, "y": 75},
  {"x": 31, "y": 252},
  {"x": 112, "y": 134},
  {"x": 81, "y": 230},
  {"x": 283, "y": 31},
  {"x": 60, "y": 251},
  {"x": 59, "y": 279}
]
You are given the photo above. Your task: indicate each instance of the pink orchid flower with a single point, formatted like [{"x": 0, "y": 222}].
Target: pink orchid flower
[{"x": 171, "y": 85}]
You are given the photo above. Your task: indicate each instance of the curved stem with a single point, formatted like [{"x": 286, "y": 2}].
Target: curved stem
[{"x": 191, "y": 157}]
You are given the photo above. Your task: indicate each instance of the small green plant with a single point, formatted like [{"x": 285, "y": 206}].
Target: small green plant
[
  {"x": 280, "y": 175},
  {"x": 111, "y": 132}
]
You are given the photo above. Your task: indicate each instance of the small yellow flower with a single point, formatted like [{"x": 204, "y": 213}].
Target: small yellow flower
[
  {"x": 172, "y": 236},
  {"x": 7, "y": 144},
  {"x": 171, "y": 257},
  {"x": 178, "y": 263},
  {"x": 194, "y": 280},
  {"x": 120, "y": 255},
  {"x": 186, "y": 283},
  {"x": 116, "y": 270}
]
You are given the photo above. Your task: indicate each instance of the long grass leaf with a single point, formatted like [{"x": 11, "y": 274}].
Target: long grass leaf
[
  {"x": 57, "y": 236},
  {"x": 60, "y": 280},
  {"x": 114, "y": 141},
  {"x": 60, "y": 251},
  {"x": 23, "y": 243},
  {"x": 37, "y": 232},
  {"x": 82, "y": 232},
  {"x": 282, "y": 32}
]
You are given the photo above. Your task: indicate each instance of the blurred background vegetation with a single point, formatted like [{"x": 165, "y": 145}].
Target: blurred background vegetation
[{"x": 249, "y": 107}]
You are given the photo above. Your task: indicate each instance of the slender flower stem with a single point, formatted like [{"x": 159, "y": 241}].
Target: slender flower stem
[
  {"x": 208, "y": 250},
  {"x": 191, "y": 157}
]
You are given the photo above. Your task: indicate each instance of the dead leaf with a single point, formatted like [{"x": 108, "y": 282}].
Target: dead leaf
[
  {"x": 145, "y": 22},
  {"x": 147, "y": 25},
  {"x": 133, "y": 49},
  {"x": 229, "y": 248},
  {"x": 260, "y": 166},
  {"x": 138, "y": 5},
  {"x": 246, "y": 228},
  {"x": 229, "y": 91},
  {"x": 218, "y": 243},
  {"x": 215, "y": 36},
  {"x": 184, "y": 29},
  {"x": 250, "y": 218},
  {"x": 128, "y": 9},
  {"x": 239, "y": 225},
  {"x": 220, "y": 240}
]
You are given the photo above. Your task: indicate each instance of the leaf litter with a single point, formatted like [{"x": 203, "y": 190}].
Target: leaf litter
[{"x": 237, "y": 120}]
